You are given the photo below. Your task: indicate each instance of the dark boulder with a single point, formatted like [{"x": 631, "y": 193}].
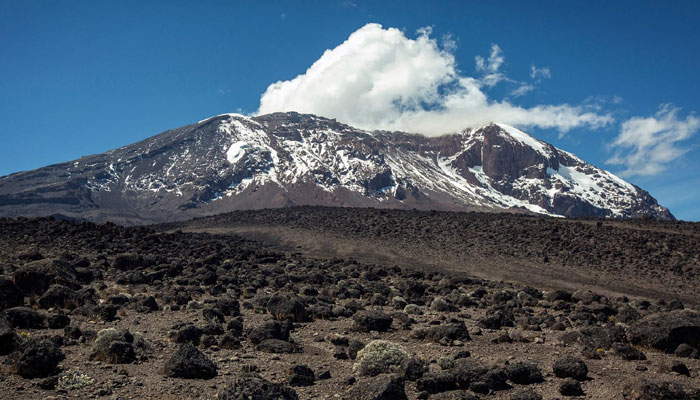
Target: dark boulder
[
  {"x": 380, "y": 387},
  {"x": 146, "y": 304},
  {"x": 686, "y": 351},
  {"x": 10, "y": 294},
  {"x": 680, "y": 368},
  {"x": 301, "y": 375},
  {"x": 527, "y": 394},
  {"x": 36, "y": 277},
  {"x": 643, "y": 389},
  {"x": 436, "y": 382},
  {"x": 8, "y": 338},
  {"x": 287, "y": 306},
  {"x": 213, "y": 314},
  {"x": 269, "y": 330},
  {"x": 443, "y": 333},
  {"x": 228, "y": 306},
  {"x": 497, "y": 318},
  {"x": 413, "y": 369},
  {"x": 570, "y": 387},
  {"x": 628, "y": 352},
  {"x": 188, "y": 334},
  {"x": 106, "y": 312},
  {"x": 189, "y": 363},
  {"x": 39, "y": 359},
  {"x": 354, "y": 346},
  {"x": 570, "y": 367},
  {"x": 58, "y": 296},
  {"x": 57, "y": 321},
  {"x": 253, "y": 387},
  {"x": 370, "y": 320},
  {"x": 277, "y": 346},
  {"x": 524, "y": 373},
  {"x": 455, "y": 395},
  {"x": 26, "y": 318},
  {"x": 665, "y": 331}
]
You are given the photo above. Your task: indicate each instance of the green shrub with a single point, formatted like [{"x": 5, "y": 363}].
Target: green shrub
[
  {"x": 73, "y": 380},
  {"x": 379, "y": 356}
]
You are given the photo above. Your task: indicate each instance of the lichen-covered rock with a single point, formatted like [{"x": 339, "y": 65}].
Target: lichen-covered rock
[{"x": 114, "y": 347}]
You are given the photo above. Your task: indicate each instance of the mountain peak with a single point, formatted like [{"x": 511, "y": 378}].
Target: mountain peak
[{"x": 232, "y": 161}]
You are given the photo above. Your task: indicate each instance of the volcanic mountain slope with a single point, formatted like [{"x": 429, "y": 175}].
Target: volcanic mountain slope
[{"x": 231, "y": 162}]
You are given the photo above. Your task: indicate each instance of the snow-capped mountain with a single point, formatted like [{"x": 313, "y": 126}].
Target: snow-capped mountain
[{"x": 232, "y": 161}]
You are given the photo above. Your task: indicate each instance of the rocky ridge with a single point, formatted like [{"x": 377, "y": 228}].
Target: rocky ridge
[{"x": 230, "y": 162}]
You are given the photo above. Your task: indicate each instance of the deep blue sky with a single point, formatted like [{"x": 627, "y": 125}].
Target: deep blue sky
[{"x": 83, "y": 77}]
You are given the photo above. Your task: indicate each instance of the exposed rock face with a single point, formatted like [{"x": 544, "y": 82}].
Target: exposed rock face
[{"x": 231, "y": 162}]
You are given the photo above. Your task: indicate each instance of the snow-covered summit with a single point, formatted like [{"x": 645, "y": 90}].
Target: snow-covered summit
[{"x": 232, "y": 161}]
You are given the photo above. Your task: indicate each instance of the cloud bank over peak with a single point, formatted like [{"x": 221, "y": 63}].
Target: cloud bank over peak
[{"x": 380, "y": 79}]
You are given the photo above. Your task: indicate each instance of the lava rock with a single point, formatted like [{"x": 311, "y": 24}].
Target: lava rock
[
  {"x": 39, "y": 359},
  {"x": 58, "y": 296},
  {"x": 643, "y": 389},
  {"x": 277, "y": 346},
  {"x": 189, "y": 363},
  {"x": 527, "y": 394},
  {"x": 188, "y": 334},
  {"x": 301, "y": 375},
  {"x": 665, "y": 331},
  {"x": 570, "y": 367},
  {"x": 8, "y": 338},
  {"x": 269, "y": 330},
  {"x": 354, "y": 346},
  {"x": 380, "y": 387},
  {"x": 628, "y": 352},
  {"x": 524, "y": 373},
  {"x": 570, "y": 387},
  {"x": 35, "y": 277},
  {"x": 26, "y": 318},
  {"x": 10, "y": 294},
  {"x": 436, "y": 382},
  {"x": 251, "y": 386},
  {"x": 370, "y": 320},
  {"x": 686, "y": 351},
  {"x": 443, "y": 333},
  {"x": 455, "y": 395},
  {"x": 287, "y": 306},
  {"x": 680, "y": 368}
]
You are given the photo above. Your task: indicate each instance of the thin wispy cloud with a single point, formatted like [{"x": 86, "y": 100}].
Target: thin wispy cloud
[
  {"x": 540, "y": 73},
  {"x": 381, "y": 79},
  {"x": 647, "y": 145}
]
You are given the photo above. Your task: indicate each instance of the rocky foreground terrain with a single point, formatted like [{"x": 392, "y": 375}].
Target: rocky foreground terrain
[{"x": 104, "y": 311}]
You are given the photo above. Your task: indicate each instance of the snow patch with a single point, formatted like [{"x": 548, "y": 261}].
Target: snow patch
[
  {"x": 525, "y": 139},
  {"x": 236, "y": 152}
]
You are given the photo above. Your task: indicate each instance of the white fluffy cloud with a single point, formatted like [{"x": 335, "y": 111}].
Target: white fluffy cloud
[
  {"x": 645, "y": 146},
  {"x": 380, "y": 79}
]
